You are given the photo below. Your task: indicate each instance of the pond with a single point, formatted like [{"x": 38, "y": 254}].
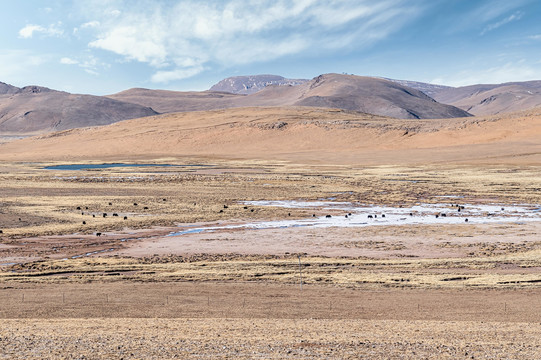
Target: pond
[{"x": 112, "y": 165}]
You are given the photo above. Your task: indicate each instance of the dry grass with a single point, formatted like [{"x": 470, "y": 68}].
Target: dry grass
[
  {"x": 399, "y": 304},
  {"x": 47, "y": 204},
  {"x": 473, "y": 272}
]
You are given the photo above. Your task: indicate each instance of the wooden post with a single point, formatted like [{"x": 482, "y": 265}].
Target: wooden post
[{"x": 300, "y": 272}]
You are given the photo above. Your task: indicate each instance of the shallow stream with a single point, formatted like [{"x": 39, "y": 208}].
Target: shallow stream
[{"x": 351, "y": 215}]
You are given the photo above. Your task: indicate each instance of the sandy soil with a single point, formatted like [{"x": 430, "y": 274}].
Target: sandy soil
[
  {"x": 268, "y": 339},
  {"x": 265, "y": 321},
  {"x": 310, "y": 136},
  {"x": 388, "y": 242}
]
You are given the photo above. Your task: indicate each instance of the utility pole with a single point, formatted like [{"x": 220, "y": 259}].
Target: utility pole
[{"x": 300, "y": 271}]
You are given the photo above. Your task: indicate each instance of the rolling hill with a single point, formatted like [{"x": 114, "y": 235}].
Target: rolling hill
[
  {"x": 166, "y": 101},
  {"x": 294, "y": 134},
  {"x": 488, "y": 99},
  {"x": 34, "y": 110}
]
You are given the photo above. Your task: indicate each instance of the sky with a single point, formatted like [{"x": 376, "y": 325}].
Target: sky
[{"x": 105, "y": 46}]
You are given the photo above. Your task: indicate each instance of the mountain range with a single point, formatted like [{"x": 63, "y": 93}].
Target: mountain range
[
  {"x": 348, "y": 92},
  {"x": 34, "y": 110}
]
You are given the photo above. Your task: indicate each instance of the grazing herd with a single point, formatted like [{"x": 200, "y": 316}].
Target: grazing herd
[
  {"x": 104, "y": 215},
  {"x": 244, "y": 207},
  {"x": 370, "y": 216},
  {"x": 375, "y": 216}
]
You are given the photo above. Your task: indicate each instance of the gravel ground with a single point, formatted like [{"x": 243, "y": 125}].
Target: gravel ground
[{"x": 266, "y": 339}]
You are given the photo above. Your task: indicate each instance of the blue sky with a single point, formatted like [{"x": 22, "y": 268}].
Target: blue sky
[{"x": 102, "y": 47}]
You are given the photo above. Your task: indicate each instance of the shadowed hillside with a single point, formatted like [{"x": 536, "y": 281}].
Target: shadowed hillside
[
  {"x": 35, "y": 110},
  {"x": 364, "y": 94},
  {"x": 493, "y": 99},
  {"x": 166, "y": 101},
  {"x": 8, "y": 89}
]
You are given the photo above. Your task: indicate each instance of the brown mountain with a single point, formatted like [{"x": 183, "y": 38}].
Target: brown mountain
[
  {"x": 487, "y": 99},
  {"x": 34, "y": 110},
  {"x": 294, "y": 134},
  {"x": 165, "y": 101},
  {"x": 8, "y": 89},
  {"x": 428, "y": 89},
  {"x": 253, "y": 83},
  {"x": 348, "y": 92}
]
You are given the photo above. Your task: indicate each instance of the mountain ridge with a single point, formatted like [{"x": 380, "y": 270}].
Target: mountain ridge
[
  {"x": 349, "y": 92},
  {"x": 249, "y": 84},
  {"x": 36, "y": 109}
]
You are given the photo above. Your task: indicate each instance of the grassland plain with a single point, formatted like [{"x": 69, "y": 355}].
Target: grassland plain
[{"x": 432, "y": 291}]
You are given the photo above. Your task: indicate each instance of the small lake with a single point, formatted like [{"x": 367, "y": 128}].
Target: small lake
[{"x": 112, "y": 165}]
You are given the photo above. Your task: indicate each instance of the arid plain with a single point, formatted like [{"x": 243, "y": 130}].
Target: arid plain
[{"x": 242, "y": 248}]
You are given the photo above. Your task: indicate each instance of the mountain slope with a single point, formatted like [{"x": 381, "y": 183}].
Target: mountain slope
[
  {"x": 253, "y": 83},
  {"x": 165, "y": 101},
  {"x": 33, "y": 110},
  {"x": 7, "y": 89},
  {"x": 365, "y": 94},
  {"x": 487, "y": 99},
  {"x": 429, "y": 89},
  {"x": 294, "y": 134}
]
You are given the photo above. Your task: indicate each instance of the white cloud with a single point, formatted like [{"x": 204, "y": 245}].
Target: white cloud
[
  {"x": 485, "y": 12},
  {"x": 514, "y": 17},
  {"x": 509, "y": 72},
  {"x": 535, "y": 37},
  {"x": 178, "y": 74},
  {"x": 68, "y": 61},
  {"x": 493, "y": 9},
  {"x": 16, "y": 66},
  {"x": 90, "y": 24},
  {"x": 130, "y": 42},
  {"x": 189, "y": 36},
  {"x": 29, "y": 30},
  {"x": 89, "y": 63},
  {"x": 91, "y": 72}
]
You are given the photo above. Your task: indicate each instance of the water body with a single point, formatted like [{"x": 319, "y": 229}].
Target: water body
[
  {"x": 421, "y": 214},
  {"x": 112, "y": 165}
]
